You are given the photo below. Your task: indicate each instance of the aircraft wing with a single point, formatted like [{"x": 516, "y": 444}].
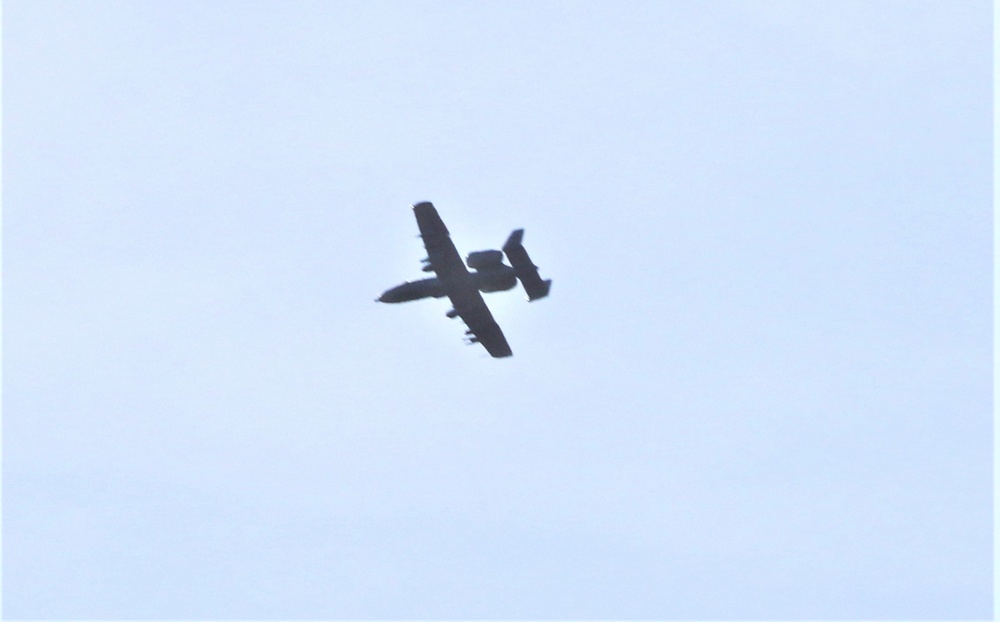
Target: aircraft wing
[
  {"x": 441, "y": 252},
  {"x": 471, "y": 307},
  {"x": 459, "y": 284}
]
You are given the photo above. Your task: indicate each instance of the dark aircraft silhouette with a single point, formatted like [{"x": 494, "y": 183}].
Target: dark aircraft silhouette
[{"x": 462, "y": 287}]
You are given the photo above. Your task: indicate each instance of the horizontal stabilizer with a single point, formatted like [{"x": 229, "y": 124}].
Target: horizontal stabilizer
[{"x": 525, "y": 271}]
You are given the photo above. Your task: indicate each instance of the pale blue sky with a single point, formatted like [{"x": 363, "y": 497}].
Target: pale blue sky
[{"x": 761, "y": 387}]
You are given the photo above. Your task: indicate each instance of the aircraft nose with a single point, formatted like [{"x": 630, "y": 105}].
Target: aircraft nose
[{"x": 396, "y": 294}]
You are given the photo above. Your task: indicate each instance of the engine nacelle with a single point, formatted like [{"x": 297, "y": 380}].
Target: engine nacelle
[{"x": 484, "y": 260}]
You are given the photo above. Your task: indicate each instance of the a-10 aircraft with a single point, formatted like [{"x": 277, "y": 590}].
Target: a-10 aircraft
[{"x": 462, "y": 287}]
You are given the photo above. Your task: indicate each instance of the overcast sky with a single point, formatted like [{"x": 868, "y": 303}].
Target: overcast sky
[{"x": 760, "y": 388}]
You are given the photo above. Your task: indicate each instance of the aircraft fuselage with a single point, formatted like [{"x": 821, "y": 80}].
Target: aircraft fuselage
[{"x": 493, "y": 279}]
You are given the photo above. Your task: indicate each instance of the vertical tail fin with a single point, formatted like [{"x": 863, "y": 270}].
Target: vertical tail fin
[{"x": 525, "y": 271}]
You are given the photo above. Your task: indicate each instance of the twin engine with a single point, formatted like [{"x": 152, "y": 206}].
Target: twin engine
[{"x": 485, "y": 260}]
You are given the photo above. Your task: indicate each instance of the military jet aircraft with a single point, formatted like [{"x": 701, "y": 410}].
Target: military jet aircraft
[{"x": 462, "y": 287}]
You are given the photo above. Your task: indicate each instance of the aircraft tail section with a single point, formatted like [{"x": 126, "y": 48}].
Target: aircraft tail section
[{"x": 525, "y": 271}]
